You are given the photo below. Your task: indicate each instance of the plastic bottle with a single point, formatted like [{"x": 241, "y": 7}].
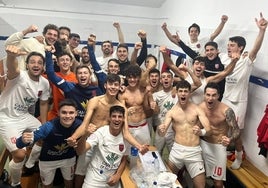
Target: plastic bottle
[
  {"x": 133, "y": 157},
  {"x": 156, "y": 167},
  {"x": 156, "y": 164}
]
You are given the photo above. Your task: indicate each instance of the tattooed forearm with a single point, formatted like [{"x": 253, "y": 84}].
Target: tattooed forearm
[{"x": 231, "y": 121}]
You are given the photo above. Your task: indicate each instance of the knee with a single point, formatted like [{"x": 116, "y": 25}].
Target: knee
[
  {"x": 18, "y": 155},
  {"x": 218, "y": 184}
]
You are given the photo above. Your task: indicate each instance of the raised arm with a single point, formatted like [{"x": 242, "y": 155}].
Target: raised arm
[
  {"x": 15, "y": 38},
  {"x": 262, "y": 25},
  {"x": 12, "y": 64},
  {"x": 168, "y": 34},
  {"x": 168, "y": 61},
  {"x": 119, "y": 32},
  {"x": 101, "y": 76},
  {"x": 218, "y": 30},
  {"x": 143, "y": 53},
  {"x": 221, "y": 75},
  {"x": 137, "y": 47}
]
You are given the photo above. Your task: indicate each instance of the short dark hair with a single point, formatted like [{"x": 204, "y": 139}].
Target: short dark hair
[
  {"x": 151, "y": 55},
  {"x": 82, "y": 66},
  {"x": 122, "y": 45},
  {"x": 67, "y": 102},
  {"x": 194, "y": 25},
  {"x": 115, "y": 60},
  {"x": 212, "y": 85},
  {"x": 113, "y": 78},
  {"x": 183, "y": 84},
  {"x": 133, "y": 70},
  {"x": 240, "y": 41},
  {"x": 212, "y": 43},
  {"x": 66, "y": 28},
  {"x": 74, "y": 35},
  {"x": 107, "y": 41},
  {"x": 64, "y": 53},
  {"x": 117, "y": 108},
  {"x": 35, "y": 54},
  {"x": 200, "y": 59},
  {"x": 51, "y": 26},
  {"x": 168, "y": 71},
  {"x": 154, "y": 70}
]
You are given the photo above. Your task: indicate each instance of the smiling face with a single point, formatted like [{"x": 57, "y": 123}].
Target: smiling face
[
  {"x": 51, "y": 36},
  {"x": 106, "y": 48},
  {"x": 211, "y": 52},
  {"x": 67, "y": 115},
  {"x": 35, "y": 67},
  {"x": 122, "y": 54},
  {"x": 112, "y": 88},
  {"x": 113, "y": 67},
  {"x": 116, "y": 121},
  {"x": 65, "y": 63},
  {"x": 193, "y": 33},
  {"x": 85, "y": 56}
]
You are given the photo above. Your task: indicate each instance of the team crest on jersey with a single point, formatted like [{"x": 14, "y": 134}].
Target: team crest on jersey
[
  {"x": 121, "y": 147},
  {"x": 217, "y": 66},
  {"x": 13, "y": 140},
  {"x": 40, "y": 93}
]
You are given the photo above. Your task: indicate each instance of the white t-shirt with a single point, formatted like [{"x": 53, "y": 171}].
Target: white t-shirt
[
  {"x": 22, "y": 92},
  {"x": 236, "y": 85},
  {"x": 165, "y": 101},
  {"x": 106, "y": 158},
  {"x": 103, "y": 61}
]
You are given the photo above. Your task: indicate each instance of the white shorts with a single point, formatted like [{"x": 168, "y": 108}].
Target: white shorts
[
  {"x": 215, "y": 157},
  {"x": 240, "y": 109},
  {"x": 12, "y": 128},
  {"x": 98, "y": 179},
  {"x": 140, "y": 132},
  {"x": 83, "y": 162},
  {"x": 48, "y": 169},
  {"x": 191, "y": 157}
]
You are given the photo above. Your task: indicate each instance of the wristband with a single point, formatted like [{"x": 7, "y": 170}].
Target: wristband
[{"x": 203, "y": 132}]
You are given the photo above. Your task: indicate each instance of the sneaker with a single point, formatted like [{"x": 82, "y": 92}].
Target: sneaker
[
  {"x": 17, "y": 186},
  {"x": 29, "y": 171}
]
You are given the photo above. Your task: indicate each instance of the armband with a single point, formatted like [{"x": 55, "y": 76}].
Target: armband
[{"x": 203, "y": 132}]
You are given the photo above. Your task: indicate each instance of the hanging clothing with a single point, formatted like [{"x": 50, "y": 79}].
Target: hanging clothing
[{"x": 262, "y": 132}]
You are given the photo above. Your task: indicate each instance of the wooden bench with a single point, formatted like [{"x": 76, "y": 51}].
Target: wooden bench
[{"x": 248, "y": 175}]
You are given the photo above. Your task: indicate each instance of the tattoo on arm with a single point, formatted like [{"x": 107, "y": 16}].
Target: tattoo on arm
[{"x": 232, "y": 123}]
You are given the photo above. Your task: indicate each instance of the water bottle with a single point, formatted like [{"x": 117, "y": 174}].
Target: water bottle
[
  {"x": 156, "y": 167},
  {"x": 133, "y": 157},
  {"x": 156, "y": 164}
]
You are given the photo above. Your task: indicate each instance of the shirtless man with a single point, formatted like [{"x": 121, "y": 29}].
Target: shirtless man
[
  {"x": 133, "y": 98},
  {"x": 186, "y": 149},
  {"x": 222, "y": 119}
]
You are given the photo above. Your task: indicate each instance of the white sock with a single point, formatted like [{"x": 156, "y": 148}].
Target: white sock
[
  {"x": 34, "y": 156},
  {"x": 15, "y": 172},
  {"x": 238, "y": 160}
]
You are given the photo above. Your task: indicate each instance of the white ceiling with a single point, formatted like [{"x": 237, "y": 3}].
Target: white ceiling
[{"x": 142, "y": 3}]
